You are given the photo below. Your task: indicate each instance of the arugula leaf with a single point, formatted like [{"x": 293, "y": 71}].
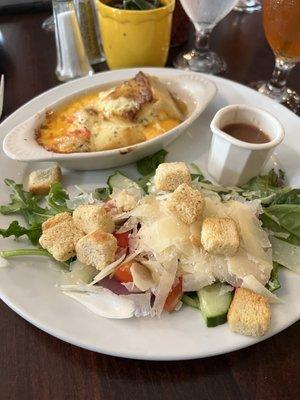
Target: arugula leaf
[
  {"x": 57, "y": 198},
  {"x": 27, "y": 204},
  {"x": 264, "y": 185},
  {"x": 15, "y": 229},
  {"x": 34, "y": 252},
  {"x": 24, "y": 252},
  {"x": 24, "y": 203},
  {"x": 148, "y": 165},
  {"x": 274, "y": 283},
  {"x": 197, "y": 175},
  {"x": 102, "y": 193}
]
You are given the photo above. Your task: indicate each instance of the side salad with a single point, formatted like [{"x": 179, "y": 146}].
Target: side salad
[{"x": 147, "y": 246}]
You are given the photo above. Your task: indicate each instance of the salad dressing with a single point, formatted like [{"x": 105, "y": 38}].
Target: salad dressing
[{"x": 246, "y": 133}]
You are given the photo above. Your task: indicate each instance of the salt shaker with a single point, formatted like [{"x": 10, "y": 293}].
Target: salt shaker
[
  {"x": 72, "y": 60},
  {"x": 89, "y": 27}
]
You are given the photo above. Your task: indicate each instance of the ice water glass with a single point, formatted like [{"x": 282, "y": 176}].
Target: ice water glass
[{"x": 204, "y": 14}]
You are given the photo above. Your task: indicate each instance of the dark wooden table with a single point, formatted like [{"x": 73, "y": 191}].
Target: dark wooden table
[{"x": 34, "y": 365}]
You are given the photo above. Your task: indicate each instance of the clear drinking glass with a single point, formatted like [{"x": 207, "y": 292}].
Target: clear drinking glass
[
  {"x": 72, "y": 60},
  {"x": 205, "y": 14},
  {"x": 89, "y": 26},
  {"x": 48, "y": 24},
  {"x": 88, "y": 23},
  {"x": 248, "y": 6},
  {"x": 281, "y": 24}
]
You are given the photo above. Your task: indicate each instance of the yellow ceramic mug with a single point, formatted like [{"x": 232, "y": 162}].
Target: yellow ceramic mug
[{"x": 135, "y": 38}]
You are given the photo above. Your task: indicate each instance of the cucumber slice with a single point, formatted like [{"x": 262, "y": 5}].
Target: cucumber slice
[
  {"x": 190, "y": 301},
  {"x": 120, "y": 181},
  {"x": 213, "y": 305}
]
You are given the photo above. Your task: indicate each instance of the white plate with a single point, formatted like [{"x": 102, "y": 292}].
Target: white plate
[
  {"x": 20, "y": 143},
  {"x": 28, "y": 287}
]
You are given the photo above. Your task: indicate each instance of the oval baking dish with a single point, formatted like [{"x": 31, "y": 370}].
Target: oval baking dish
[{"x": 193, "y": 89}]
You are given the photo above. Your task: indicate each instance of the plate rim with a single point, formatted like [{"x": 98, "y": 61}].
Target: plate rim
[
  {"x": 47, "y": 327},
  {"x": 136, "y": 356}
]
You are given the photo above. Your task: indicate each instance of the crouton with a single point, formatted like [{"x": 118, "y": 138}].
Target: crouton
[
  {"x": 57, "y": 219},
  {"x": 249, "y": 313},
  {"x": 169, "y": 176},
  {"x": 220, "y": 236},
  {"x": 97, "y": 249},
  {"x": 186, "y": 203},
  {"x": 125, "y": 201},
  {"x": 60, "y": 239},
  {"x": 40, "y": 181},
  {"x": 90, "y": 217}
]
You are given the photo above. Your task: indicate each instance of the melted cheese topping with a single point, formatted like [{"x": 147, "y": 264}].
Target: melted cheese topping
[{"x": 88, "y": 124}]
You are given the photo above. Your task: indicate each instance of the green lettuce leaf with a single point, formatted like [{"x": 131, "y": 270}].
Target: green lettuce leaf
[
  {"x": 284, "y": 218},
  {"x": 274, "y": 283},
  {"x": 102, "y": 193},
  {"x": 264, "y": 185},
  {"x": 287, "y": 196},
  {"x": 144, "y": 181},
  {"x": 148, "y": 165}
]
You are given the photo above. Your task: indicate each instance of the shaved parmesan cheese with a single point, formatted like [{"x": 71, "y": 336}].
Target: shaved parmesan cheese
[
  {"x": 241, "y": 265},
  {"x": 163, "y": 233},
  {"x": 141, "y": 277},
  {"x": 147, "y": 210},
  {"x": 254, "y": 206},
  {"x": 128, "y": 225},
  {"x": 127, "y": 199},
  {"x": 196, "y": 281},
  {"x": 164, "y": 287},
  {"x": 225, "y": 289},
  {"x": 132, "y": 255},
  {"x": 251, "y": 283},
  {"x": 213, "y": 208},
  {"x": 122, "y": 216},
  {"x": 286, "y": 254},
  {"x": 156, "y": 269},
  {"x": 107, "y": 270},
  {"x": 82, "y": 199},
  {"x": 254, "y": 238},
  {"x": 80, "y": 273},
  {"x": 104, "y": 303}
]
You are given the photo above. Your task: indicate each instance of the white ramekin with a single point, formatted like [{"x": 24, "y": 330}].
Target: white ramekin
[{"x": 233, "y": 162}]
